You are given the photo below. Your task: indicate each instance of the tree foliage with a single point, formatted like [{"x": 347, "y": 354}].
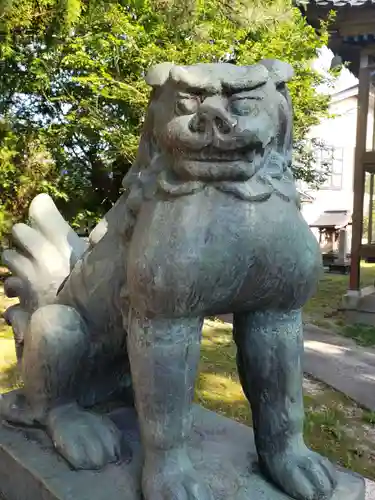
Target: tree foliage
[{"x": 72, "y": 94}]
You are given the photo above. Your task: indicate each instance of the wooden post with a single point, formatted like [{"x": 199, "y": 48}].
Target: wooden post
[
  {"x": 370, "y": 209},
  {"x": 371, "y": 193},
  {"x": 359, "y": 173}
]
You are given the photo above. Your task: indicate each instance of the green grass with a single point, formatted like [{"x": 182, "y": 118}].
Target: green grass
[
  {"x": 369, "y": 417},
  {"x": 5, "y": 330},
  {"x": 9, "y": 378},
  {"x": 363, "y": 335},
  {"x": 331, "y": 289},
  {"x": 323, "y": 309},
  {"x": 334, "y": 426}
]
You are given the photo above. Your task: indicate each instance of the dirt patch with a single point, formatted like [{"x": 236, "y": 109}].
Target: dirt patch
[{"x": 312, "y": 387}]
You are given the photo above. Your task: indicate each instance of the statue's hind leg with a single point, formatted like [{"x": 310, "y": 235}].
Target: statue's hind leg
[
  {"x": 164, "y": 356},
  {"x": 270, "y": 345},
  {"x": 55, "y": 358}
]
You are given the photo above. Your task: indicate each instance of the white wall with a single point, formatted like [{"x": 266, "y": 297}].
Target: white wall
[{"x": 339, "y": 132}]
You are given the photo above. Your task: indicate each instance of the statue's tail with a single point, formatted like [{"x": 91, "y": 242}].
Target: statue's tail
[{"x": 43, "y": 255}]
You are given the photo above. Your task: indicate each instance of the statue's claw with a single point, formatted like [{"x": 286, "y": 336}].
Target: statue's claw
[
  {"x": 84, "y": 439},
  {"x": 171, "y": 476},
  {"x": 302, "y": 473},
  {"x": 15, "y": 409}
]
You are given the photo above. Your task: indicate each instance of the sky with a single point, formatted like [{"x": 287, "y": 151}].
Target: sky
[{"x": 346, "y": 78}]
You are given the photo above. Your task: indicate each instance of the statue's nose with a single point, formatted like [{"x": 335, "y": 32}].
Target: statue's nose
[{"x": 212, "y": 113}]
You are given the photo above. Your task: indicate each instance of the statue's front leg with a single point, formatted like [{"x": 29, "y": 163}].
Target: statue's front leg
[
  {"x": 164, "y": 356},
  {"x": 270, "y": 344}
]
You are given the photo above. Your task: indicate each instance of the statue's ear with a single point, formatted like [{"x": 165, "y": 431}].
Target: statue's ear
[
  {"x": 159, "y": 74},
  {"x": 280, "y": 72}
]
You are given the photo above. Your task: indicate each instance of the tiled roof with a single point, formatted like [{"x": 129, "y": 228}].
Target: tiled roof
[
  {"x": 333, "y": 218},
  {"x": 304, "y": 197},
  {"x": 342, "y": 3}
]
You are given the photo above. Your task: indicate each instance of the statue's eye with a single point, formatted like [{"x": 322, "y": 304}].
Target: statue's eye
[
  {"x": 187, "y": 105},
  {"x": 245, "y": 107},
  {"x": 281, "y": 87}
]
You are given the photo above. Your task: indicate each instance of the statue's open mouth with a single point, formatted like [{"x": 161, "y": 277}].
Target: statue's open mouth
[{"x": 216, "y": 155}]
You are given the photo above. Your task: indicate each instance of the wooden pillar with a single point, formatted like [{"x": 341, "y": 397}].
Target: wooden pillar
[
  {"x": 370, "y": 208},
  {"x": 359, "y": 173}
]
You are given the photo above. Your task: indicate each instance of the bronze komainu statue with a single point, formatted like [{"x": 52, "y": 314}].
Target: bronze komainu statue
[{"x": 209, "y": 223}]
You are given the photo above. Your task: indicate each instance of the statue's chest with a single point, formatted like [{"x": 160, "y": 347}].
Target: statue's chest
[
  {"x": 209, "y": 229},
  {"x": 203, "y": 248},
  {"x": 196, "y": 233}
]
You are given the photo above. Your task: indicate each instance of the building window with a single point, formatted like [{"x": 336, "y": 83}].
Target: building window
[{"x": 331, "y": 158}]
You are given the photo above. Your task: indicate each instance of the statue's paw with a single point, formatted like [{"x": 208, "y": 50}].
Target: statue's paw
[
  {"x": 302, "y": 473},
  {"x": 15, "y": 409},
  {"x": 170, "y": 476},
  {"x": 86, "y": 440}
]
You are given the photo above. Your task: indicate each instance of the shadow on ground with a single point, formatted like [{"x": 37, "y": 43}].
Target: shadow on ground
[{"x": 343, "y": 365}]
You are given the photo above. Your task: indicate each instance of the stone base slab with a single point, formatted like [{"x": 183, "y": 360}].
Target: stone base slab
[
  {"x": 359, "y": 306},
  {"x": 222, "y": 451}
]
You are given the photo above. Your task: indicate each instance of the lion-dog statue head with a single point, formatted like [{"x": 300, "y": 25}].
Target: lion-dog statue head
[{"x": 221, "y": 125}]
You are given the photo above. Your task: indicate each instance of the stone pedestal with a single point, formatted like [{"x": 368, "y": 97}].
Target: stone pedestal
[
  {"x": 359, "y": 306},
  {"x": 222, "y": 450}
]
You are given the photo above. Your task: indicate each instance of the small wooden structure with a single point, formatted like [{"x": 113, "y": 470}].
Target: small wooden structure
[
  {"x": 352, "y": 36},
  {"x": 334, "y": 232}
]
